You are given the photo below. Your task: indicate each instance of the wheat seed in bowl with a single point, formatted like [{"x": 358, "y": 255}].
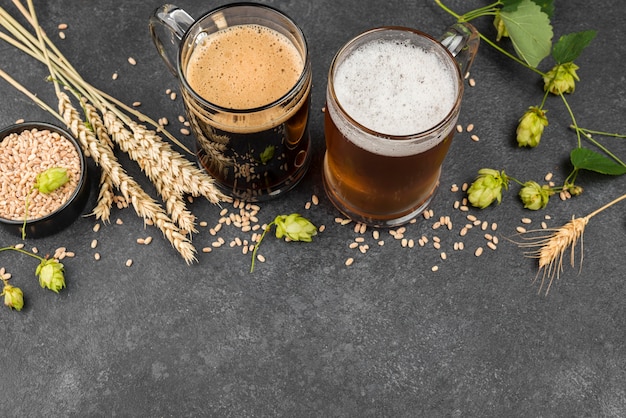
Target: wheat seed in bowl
[{"x": 24, "y": 155}]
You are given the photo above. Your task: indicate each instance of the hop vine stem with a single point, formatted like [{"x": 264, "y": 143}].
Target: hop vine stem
[{"x": 489, "y": 10}]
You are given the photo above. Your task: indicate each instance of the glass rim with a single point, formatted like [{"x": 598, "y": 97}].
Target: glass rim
[
  {"x": 293, "y": 29},
  {"x": 414, "y": 136}
]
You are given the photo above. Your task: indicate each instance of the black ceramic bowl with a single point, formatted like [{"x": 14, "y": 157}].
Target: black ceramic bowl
[{"x": 63, "y": 216}]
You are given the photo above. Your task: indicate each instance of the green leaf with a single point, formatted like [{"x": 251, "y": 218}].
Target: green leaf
[
  {"x": 529, "y": 29},
  {"x": 586, "y": 159},
  {"x": 547, "y": 6},
  {"x": 569, "y": 47}
]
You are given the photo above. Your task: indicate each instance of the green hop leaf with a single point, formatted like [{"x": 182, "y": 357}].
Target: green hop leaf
[
  {"x": 529, "y": 29},
  {"x": 13, "y": 297},
  {"x": 51, "y": 274},
  {"x": 51, "y": 179},
  {"x": 569, "y": 47},
  {"x": 487, "y": 188},
  {"x": 531, "y": 126},
  {"x": 534, "y": 196},
  {"x": 586, "y": 159},
  {"x": 547, "y": 6}
]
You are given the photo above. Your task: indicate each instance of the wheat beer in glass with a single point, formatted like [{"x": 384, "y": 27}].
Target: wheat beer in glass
[
  {"x": 245, "y": 78},
  {"x": 393, "y": 99}
]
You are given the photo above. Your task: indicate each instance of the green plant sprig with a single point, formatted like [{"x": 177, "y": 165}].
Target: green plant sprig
[
  {"x": 46, "y": 182},
  {"x": 527, "y": 24},
  {"x": 51, "y": 274},
  {"x": 293, "y": 227}
]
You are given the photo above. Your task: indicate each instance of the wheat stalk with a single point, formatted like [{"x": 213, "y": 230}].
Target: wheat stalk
[
  {"x": 144, "y": 205},
  {"x": 550, "y": 249},
  {"x": 109, "y": 122}
]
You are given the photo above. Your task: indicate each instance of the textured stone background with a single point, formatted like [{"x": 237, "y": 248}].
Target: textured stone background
[{"x": 304, "y": 335}]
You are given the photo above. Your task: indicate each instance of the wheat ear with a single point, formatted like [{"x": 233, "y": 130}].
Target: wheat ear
[
  {"x": 139, "y": 148},
  {"x": 144, "y": 205},
  {"x": 550, "y": 249}
]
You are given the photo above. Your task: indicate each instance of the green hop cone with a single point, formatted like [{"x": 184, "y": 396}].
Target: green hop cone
[
  {"x": 487, "y": 188},
  {"x": 498, "y": 23},
  {"x": 535, "y": 196},
  {"x": 561, "y": 78},
  {"x": 51, "y": 275},
  {"x": 13, "y": 297},
  {"x": 294, "y": 227},
  {"x": 51, "y": 179},
  {"x": 531, "y": 126}
]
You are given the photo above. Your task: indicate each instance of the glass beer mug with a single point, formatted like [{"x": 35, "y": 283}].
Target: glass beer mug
[
  {"x": 393, "y": 98},
  {"x": 245, "y": 77}
]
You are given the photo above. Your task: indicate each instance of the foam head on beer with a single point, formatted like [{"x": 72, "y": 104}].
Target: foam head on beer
[
  {"x": 244, "y": 67},
  {"x": 395, "y": 87}
]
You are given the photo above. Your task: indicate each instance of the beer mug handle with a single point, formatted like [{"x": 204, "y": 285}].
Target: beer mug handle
[
  {"x": 462, "y": 40},
  {"x": 168, "y": 25}
]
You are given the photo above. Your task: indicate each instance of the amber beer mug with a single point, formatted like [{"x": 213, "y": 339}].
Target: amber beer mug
[
  {"x": 393, "y": 99},
  {"x": 245, "y": 78}
]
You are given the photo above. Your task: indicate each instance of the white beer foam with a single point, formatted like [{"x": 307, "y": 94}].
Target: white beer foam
[{"x": 396, "y": 88}]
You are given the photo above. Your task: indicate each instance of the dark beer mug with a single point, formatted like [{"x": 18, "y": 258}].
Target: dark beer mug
[
  {"x": 245, "y": 77},
  {"x": 393, "y": 99}
]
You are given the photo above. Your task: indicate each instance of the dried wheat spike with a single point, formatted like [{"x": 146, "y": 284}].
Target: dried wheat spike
[{"x": 550, "y": 249}]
